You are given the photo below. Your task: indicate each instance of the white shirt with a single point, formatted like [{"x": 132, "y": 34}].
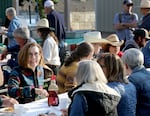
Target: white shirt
[{"x": 51, "y": 52}]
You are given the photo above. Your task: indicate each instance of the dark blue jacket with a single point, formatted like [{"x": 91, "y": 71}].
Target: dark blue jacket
[
  {"x": 57, "y": 22},
  {"x": 145, "y": 22}
]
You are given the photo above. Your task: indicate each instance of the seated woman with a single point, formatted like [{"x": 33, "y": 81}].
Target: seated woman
[
  {"x": 26, "y": 81},
  {"x": 92, "y": 96},
  {"x": 114, "y": 71},
  {"x": 113, "y": 45},
  {"x": 66, "y": 74},
  {"x": 49, "y": 45}
]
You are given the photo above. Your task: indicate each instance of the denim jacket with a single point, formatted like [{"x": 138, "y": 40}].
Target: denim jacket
[
  {"x": 140, "y": 77},
  {"x": 146, "y": 52},
  {"x": 127, "y": 104}
]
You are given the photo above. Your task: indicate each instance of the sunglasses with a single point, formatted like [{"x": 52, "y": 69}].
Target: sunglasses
[{"x": 128, "y": 5}]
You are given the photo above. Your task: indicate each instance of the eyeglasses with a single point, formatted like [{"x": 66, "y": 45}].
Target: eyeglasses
[{"x": 35, "y": 54}]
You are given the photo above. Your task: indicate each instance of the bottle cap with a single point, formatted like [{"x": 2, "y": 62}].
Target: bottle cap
[{"x": 53, "y": 77}]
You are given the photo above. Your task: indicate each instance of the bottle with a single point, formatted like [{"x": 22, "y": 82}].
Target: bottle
[{"x": 53, "y": 99}]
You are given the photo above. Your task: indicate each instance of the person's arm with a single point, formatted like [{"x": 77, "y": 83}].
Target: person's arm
[
  {"x": 117, "y": 24},
  {"x": 10, "y": 50},
  {"x": 16, "y": 90},
  {"x": 14, "y": 24},
  {"x": 6, "y": 101},
  {"x": 1, "y": 77},
  {"x": 134, "y": 23},
  {"x": 52, "y": 21},
  {"x": 78, "y": 106},
  {"x": 47, "y": 51},
  {"x": 61, "y": 78}
]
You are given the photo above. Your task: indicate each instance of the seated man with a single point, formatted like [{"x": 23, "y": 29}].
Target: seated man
[
  {"x": 133, "y": 59},
  {"x": 22, "y": 36}
]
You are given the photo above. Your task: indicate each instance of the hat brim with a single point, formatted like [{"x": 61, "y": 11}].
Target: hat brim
[
  {"x": 116, "y": 43},
  {"x": 141, "y": 7},
  {"x": 50, "y": 28},
  {"x": 102, "y": 40}
]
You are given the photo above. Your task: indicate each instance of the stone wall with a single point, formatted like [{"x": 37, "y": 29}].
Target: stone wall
[
  {"x": 82, "y": 20},
  {"x": 82, "y": 14}
]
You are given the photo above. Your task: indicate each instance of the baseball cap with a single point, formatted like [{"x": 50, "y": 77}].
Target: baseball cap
[
  {"x": 128, "y": 2},
  {"x": 141, "y": 32},
  {"x": 48, "y": 3}
]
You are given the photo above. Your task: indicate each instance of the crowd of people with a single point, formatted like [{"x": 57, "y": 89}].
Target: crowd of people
[{"x": 102, "y": 76}]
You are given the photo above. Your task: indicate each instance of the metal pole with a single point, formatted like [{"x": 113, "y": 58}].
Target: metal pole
[
  {"x": 67, "y": 14},
  {"x": 17, "y": 7},
  {"x": 30, "y": 11}
]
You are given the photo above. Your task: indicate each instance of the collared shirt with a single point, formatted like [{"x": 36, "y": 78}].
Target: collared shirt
[
  {"x": 51, "y": 52},
  {"x": 14, "y": 24},
  {"x": 125, "y": 34}
]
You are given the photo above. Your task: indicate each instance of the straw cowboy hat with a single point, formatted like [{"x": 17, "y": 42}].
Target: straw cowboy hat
[
  {"x": 43, "y": 23},
  {"x": 94, "y": 37},
  {"x": 145, "y": 4},
  {"x": 114, "y": 40}
]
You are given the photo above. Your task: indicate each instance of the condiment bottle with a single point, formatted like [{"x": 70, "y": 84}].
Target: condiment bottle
[{"x": 53, "y": 99}]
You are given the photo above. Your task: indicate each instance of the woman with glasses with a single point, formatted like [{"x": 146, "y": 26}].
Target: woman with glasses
[{"x": 26, "y": 81}]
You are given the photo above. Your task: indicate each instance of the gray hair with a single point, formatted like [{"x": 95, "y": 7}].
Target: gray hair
[
  {"x": 90, "y": 72},
  {"x": 10, "y": 11},
  {"x": 22, "y": 32},
  {"x": 133, "y": 57}
]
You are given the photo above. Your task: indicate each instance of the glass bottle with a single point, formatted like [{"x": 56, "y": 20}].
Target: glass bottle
[{"x": 53, "y": 99}]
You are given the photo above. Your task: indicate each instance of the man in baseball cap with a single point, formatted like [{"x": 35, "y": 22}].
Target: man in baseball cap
[{"x": 128, "y": 2}]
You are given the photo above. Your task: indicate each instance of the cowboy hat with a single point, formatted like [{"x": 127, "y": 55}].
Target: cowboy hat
[
  {"x": 114, "y": 40},
  {"x": 94, "y": 37},
  {"x": 43, "y": 23},
  {"x": 145, "y": 4}
]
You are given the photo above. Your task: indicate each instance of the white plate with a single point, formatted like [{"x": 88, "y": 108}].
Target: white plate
[{"x": 6, "y": 110}]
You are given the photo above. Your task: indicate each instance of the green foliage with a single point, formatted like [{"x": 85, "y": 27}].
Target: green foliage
[{"x": 55, "y": 1}]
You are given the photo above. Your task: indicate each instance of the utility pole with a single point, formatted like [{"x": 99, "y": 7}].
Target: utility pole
[{"x": 67, "y": 14}]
